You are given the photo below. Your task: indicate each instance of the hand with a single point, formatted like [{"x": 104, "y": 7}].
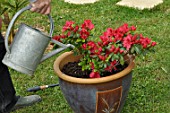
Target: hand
[{"x": 41, "y": 6}]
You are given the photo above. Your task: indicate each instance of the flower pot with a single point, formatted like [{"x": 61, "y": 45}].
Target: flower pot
[{"x": 97, "y": 95}]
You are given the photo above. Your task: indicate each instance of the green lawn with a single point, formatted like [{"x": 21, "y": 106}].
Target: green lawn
[{"x": 150, "y": 89}]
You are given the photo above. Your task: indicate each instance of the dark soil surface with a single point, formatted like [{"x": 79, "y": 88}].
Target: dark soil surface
[{"x": 73, "y": 69}]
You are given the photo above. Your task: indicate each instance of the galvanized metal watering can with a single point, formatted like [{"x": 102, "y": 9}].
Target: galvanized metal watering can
[{"x": 27, "y": 49}]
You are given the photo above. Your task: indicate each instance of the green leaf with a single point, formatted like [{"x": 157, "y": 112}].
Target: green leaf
[
  {"x": 77, "y": 35},
  {"x": 138, "y": 51},
  {"x": 122, "y": 60},
  {"x": 108, "y": 58},
  {"x": 78, "y": 40},
  {"x": 83, "y": 40},
  {"x": 22, "y": 3},
  {"x": 102, "y": 54},
  {"x": 132, "y": 49},
  {"x": 105, "y": 65},
  {"x": 116, "y": 56},
  {"x": 3, "y": 10},
  {"x": 9, "y": 5}
]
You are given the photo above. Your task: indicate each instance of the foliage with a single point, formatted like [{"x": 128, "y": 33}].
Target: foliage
[
  {"x": 11, "y": 6},
  {"x": 8, "y": 10},
  {"x": 109, "y": 51}
]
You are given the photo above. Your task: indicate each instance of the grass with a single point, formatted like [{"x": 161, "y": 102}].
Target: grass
[{"x": 150, "y": 89}]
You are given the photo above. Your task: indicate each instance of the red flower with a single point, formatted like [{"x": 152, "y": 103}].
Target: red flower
[
  {"x": 68, "y": 25},
  {"x": 76, "y": 29},
  {"x": 84, "y": 46},
  {"x": 92, "y": 47},
  {"x": 91, "y": 44},
  {"x": 108, "y": 68},
  {"x": 69, "y": 33},
  {"x": 127, "y": 42},
  {"x": 123, "y": 29},
  {"x": 109, "y": 32},
  {"x": 113, "y": 64},
  {"x": 107, "y": 36},
  {"x": 116, "y": 50},
  {"x": 118, "y": 37},
  {"x": 121, "y": 51},
  {"x": 153, "y": 43},
  {"x": 104, "y": 39},
  {"x": 92, "y": 65},
  {"x": 84, "y": 33},
  {"x": 88, "y": 24},
  {"x": 101, "y": 57},
  {"x": 112, "y": 48},
  {"x": 133, "y": 28},
  {"x": 145, "y": 42},
  {"x": 98, "y": 51},
  {"x": 94, "y": 75},
  {"x": 57, "y": 38}
]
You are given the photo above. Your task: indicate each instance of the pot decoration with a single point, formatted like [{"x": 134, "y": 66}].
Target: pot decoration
[
  {"x": 97, "y": 92},
  {"x": 97, "y": 95}
]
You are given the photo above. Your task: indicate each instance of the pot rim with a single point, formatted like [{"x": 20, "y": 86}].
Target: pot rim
[{"x": 68, "y": 78}]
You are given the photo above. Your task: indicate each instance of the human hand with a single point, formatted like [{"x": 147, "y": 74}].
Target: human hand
[{"x": 41, "y": 6}]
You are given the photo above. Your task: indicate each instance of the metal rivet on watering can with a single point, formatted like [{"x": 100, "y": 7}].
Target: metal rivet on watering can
[{"x": 27, "y": 49}]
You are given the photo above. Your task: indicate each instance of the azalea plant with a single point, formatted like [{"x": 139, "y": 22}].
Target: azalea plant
[{"x": 109, "y": 49}]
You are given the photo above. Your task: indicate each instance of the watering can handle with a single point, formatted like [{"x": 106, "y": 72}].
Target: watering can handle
[{"x": 13, "y": 20}]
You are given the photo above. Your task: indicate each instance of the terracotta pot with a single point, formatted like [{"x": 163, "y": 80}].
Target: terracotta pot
[{"x": 98, "y": 95}]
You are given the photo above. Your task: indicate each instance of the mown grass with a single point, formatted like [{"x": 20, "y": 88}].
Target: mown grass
[{"x": 150, "y": 89}]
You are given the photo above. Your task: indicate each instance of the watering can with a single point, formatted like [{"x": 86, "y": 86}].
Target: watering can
[{"x": 28, "y": 47}]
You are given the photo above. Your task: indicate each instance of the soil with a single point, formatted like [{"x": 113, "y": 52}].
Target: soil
[{"x": 74, "y": 70}]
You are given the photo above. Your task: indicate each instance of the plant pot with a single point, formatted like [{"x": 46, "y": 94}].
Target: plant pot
[{"x": 98, "y": 95}]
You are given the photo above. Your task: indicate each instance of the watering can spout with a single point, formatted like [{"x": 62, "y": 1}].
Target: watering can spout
[{"x": 54, "y": 52}]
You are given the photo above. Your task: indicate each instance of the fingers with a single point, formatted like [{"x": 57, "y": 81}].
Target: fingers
[
  {"x": 41, "y": 6},
  {"x": 46, "y": 10}
]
